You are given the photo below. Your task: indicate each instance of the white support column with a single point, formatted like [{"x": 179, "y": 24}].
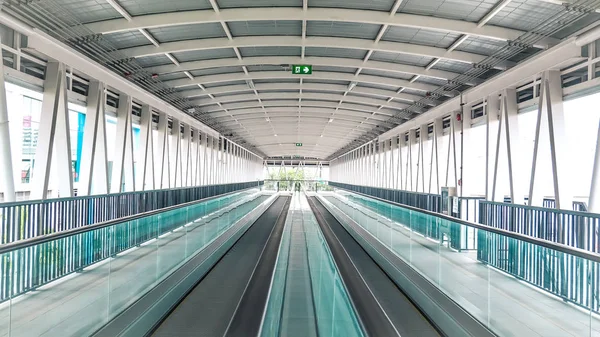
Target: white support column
[
  {"x": 186, "y": 144},
  {"x": 594, "y": 202},
  {"x": 412, "y": 139},
  {"x": 205, "y": 160},
  {"x": 374, "y": 153},
  {"x": 100, "y": 173},
  {"x": 349, "y": 163},
  {"x": 239, "y": 161},
  {"x": 235, "y": 177},
  {"x": 90, "y": 134},
  {"x": 224, "y": 161},
  {"x": 195, "y": 158},
  {"x": 175, "y": 154},
  {"x": 213, "y": 160},
  {"x": 220, "y": 159},
  {"x": 349, "y": 168},
  {"x": 244, "y": 173},
  {"x": 360, "y": 172},
  {"x": 452, "y": 155},
  {"x": 508, "y": 138},
  {"x": 434, "y": 175},
  {"x": 367, "y": 165},
  {"x": 374, "y": 163},
  {"x": 216, "y": 164},
  {"x": 550, "y": 147},
  {"x": 122, "y": 171},
  {"x": 393, "y": 155},
  {"x": 53, "y": 137},
  {"x": 465, "y": 153},
  {"x": 381, "y": 163},
  {"x": 62, "y": 143},
  {"x": 193, "y": 151},
  {"x": 400, "y": 175},
  {"x": 145, "y": 172},
  {"x": 423, "y": 138},
  {"x": 233, "y": 163},
  {"x": 162, "y": 173},
  {"x": 363, "y": 166},
  {"x": 227, "y": 161},
  {"x": 200, "y": 158},
  {"x": 6, "y": 158},
  {"x": 492, "y": 108},
  {"x": 389, "y": 164},
  {"x": 384, "y": 163},
  {"x": 407, "y": 164}
]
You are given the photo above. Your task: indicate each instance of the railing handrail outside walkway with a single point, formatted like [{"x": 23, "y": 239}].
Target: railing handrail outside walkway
[
  {"x": 522, "y": 237},
  {"x": 544, "y": 209},
  {"x": 28, "y": 264},
  {"x": 28, "y": 219},
  {"x": 82, "y": 197},
  {"x": 79, "y": 230}
]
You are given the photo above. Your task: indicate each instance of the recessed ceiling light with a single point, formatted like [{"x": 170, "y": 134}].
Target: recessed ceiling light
[
  {"x": 321, "y": 136},
  {"x": 330, "y": 120},
  {"x": 275, "y": 135}
]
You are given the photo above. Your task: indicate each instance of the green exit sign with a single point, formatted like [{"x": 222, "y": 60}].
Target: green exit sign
[
  {"x": 301, "y": 69},
  {"x": 298, "y": 144}
]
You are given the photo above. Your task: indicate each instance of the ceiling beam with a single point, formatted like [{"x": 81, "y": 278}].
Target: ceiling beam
[
  {"x": 311, "y": 14},
  {"x": 282, "y": 118},
  {"x": 266, "y": 75},
  {"x": 275, "y": 111},
  {"x": 308, "y": 96},
  {"x": 273, "y": 114},
  {"x": 297, "y": 41},
  {"x": 315, "y": 61},
  {"x": 490, "y": 15},
  {"x": 326, "y": 87},
  {"x": 116, "y": 6},
  {"x": 308, "y": 103}
]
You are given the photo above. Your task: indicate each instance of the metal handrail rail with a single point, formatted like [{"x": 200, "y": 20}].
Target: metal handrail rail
[
  {"x": 82, "y": 197},
  {"x": 540, "y": 242},
  {"x": 393, "y": 189},
  {"x": 545, "y": 209},
  {"x": 71, "y": 232}
]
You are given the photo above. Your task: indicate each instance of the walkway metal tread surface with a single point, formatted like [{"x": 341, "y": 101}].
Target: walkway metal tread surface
[
  {"x": 207, "y": 310},
  {"x": 298, "y": 306},
  {"x": 248, "y": 316},
  {"x": 405, "y": 318}
]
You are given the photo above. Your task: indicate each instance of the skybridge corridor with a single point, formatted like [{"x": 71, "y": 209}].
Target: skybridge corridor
[{"x": 300, "y": 168}]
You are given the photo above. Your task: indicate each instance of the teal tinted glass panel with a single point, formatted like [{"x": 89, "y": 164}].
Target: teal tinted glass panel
[
  {"x": 512, "y": 286},
  {"x": 103, "y": 271}
]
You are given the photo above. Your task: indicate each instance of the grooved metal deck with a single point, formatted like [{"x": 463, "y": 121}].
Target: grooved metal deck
[
  {"x": 210, "y": 306},
  {"x": 404, "y": 317}
]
